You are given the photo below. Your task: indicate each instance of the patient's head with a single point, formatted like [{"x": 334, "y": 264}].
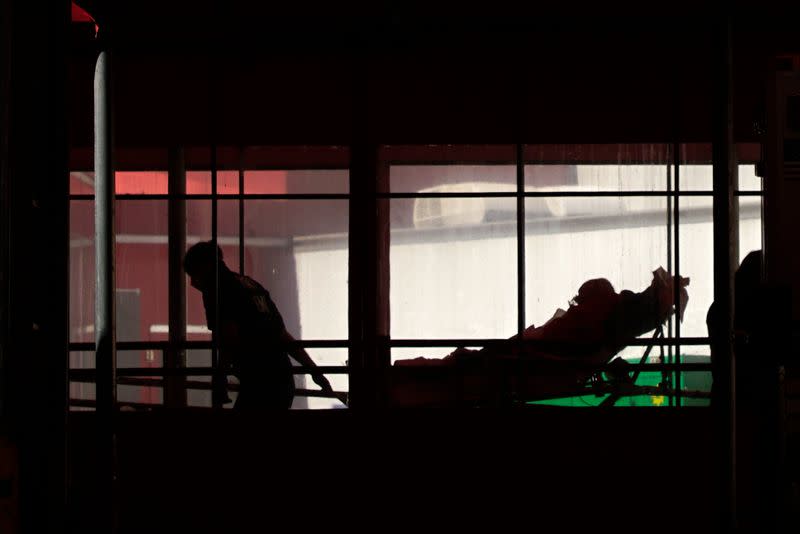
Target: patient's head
[{"x": 594, "y": 290}]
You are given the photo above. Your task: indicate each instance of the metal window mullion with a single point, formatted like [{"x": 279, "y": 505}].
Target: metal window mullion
[
  {"x": 604, "y": 193},
  {"x": 105, "y": 319},
  {"x": 241, "y": 210},
  {"x": 722, "y": 158},
  {"x": 398, "y": 195},
  {"x": 521, "y": 281},
  {"x": 676, "y": 275},
  {"x": 322, "y": 343},
  {"x": 87, "y": 376},
  {"x": 163, "y": 345},
  {"x": 670, "y": 260},
  {"x": 174, "y": 354},
  {"x": 461, "y": 342},
  {"x": 356, "y": 281},
  {"x": 216, "y": 401},
  {"x": 105, "y": 328}
]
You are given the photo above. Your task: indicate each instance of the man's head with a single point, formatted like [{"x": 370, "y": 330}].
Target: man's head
[{"x": 199, "y": 264}]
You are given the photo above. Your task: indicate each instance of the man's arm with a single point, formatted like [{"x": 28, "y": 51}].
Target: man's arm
[{"x": 300, "y": 355}]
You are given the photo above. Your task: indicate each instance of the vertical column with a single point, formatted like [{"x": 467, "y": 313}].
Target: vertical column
[
  {"x": 724, "y": 262},
  {"x": 219, "y": 380},
  {"x": 369, "y": 255},
  {"x": 105, "y": 328},
  {"x": 676, "y": 207},
  {"x": 175, "y": 357},
  {"x": 777, "y": 328},
  {"x": 5, "y": 219},
  {"x": 35, "y": 240},
  {"x": 364, "y": 275},
  {"x": 358, "y": 177},
  {"x": 380, "y": 265},
  {"x": 241, "y": 165},
  {"x": 104, "y": 238},
  {"x": 521, "y": 293},
  {"x": 674, "y": 151}
]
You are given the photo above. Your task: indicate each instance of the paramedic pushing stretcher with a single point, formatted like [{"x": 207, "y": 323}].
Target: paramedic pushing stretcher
[{"x": 253, "y": 342}]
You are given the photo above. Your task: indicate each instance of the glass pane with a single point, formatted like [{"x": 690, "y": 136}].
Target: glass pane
[
  {"x": 81, "y": 271},
  {"x": 620, "y": 239},
  {"x": 750, "y": 228},
  {"x": 453, "y": 275},
  {"x": 697, "y": 259},
  {"x": 145, "y": 358},
  {"x": 696, "y": 178},
  {"x": 304, "y": 181},
  {"x": 200, "y": 397},
  {"x": 198, "y": 182},
  {"x": 139, "y": 392},
  {"x": 450, "y": 168},
  {"x": 339, "y": 382},
  {"x": 697, "y": 263},
  {"x": 198, "y": 392},
  {"x": 81, "y": 183},
  {"x": 81, "y": 359},
  {"x": 141, "y": 183},
  {"x": 298, "y": 250},
  {"x": 695, "y": 170},
  {"x": 198, "y": 228},
  {"x": 697, "y": 174},
  {"x": 596, "y": 167},
  {"x": 139, "y": 395},
  {"x": 126, "y": 183},
  {"x": 198, "y": 221},
  {"x": 141, "y": 270},
  {"x": 81, "y": 394},
  {"x": 453, "y": 178},
  {"x": 228, "y": 232},
  {"x": 748, "y": 181}
]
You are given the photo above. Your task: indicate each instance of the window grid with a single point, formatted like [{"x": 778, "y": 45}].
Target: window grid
[
  {"x": 126, "y": 375},
  {"x": 672, "y": 193}
]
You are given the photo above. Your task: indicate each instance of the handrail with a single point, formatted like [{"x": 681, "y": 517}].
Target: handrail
[{"x": 398, "y": 343}]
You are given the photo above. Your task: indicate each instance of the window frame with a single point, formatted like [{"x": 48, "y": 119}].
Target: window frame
[{"x": 173, "y": 373}]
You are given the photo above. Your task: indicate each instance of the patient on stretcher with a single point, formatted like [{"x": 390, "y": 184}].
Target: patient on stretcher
[
  {"x": 553, "y": 359},
  {"x": 599, "y": 323}
]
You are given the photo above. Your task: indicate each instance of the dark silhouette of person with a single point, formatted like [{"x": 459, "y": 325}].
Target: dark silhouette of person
[
  {"x": 598, "y": 324},
  {"x": 756, "y": 321},
  {"x": 252, "y": 338}
]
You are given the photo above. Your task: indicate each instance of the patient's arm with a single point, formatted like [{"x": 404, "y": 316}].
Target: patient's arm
[{"x": 639, "y": 313}]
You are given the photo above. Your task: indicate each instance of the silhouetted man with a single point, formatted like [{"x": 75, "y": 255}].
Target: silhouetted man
[
  {"x": 253, "y": 341},
  {"x": 758, "y": 324}
]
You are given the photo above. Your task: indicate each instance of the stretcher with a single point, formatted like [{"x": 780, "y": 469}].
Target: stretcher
[{"x": 572, "y": 354}]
